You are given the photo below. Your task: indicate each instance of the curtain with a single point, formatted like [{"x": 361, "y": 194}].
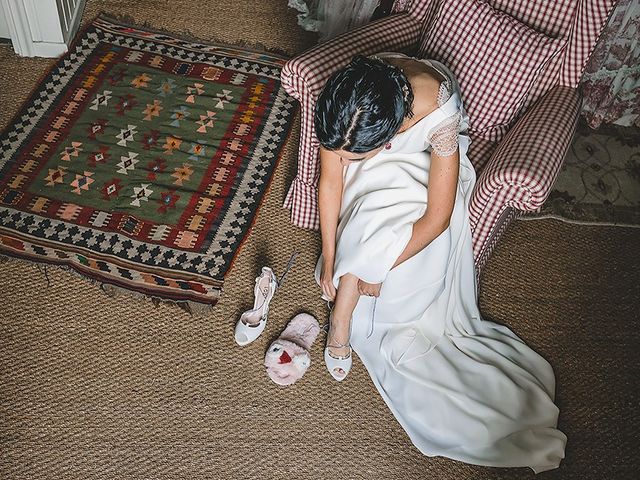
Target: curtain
[
  {"x": 333, "y": 17},
  {"x": 611, "y": 81},
  {"x": 400, "y": 6}
]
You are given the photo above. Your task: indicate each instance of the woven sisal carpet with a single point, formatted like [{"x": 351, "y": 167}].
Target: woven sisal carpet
[{"x": 95, "y": 387}]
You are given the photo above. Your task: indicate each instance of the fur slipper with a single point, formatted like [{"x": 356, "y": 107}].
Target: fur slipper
[{"x": 287, "y": 359}]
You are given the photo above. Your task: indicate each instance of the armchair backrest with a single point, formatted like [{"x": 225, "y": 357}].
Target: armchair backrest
[{"x": 579, "y": 21}]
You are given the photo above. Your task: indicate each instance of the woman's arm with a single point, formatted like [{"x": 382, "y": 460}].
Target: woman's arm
[
  {"x": 443, "y": 181},
  {"x": 329, "y": 203}
]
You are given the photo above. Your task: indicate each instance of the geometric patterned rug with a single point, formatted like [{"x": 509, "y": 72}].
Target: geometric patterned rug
[{"x": 141, "y": 160}]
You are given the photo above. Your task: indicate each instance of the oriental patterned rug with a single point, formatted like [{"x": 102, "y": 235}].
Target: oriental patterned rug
[
  {"x": 141, "y": 160},
  {"x": 599, "y": 183}
]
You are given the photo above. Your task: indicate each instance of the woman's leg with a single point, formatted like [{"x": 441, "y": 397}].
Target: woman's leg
[{"x": 345, "y": 303}]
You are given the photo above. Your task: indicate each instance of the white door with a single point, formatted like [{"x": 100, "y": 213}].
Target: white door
[
  {"x": 42, "y": 28},
  {"x": 4, "y": 26}
]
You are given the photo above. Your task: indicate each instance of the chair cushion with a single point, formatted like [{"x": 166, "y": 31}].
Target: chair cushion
[
  {"x": 495, "y": 58},
  {"x": 551, "y": 17}
]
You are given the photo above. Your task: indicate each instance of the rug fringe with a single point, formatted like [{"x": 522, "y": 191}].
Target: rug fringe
[
  {"x": 187, "y": 36},
  {"x": 591, "y": 223},
  {"x": 195, "y": 309}
]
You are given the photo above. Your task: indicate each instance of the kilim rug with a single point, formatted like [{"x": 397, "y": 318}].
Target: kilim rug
[{"x": 141, "y": 160}]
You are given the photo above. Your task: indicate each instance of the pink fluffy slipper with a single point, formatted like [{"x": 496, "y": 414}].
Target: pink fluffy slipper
[{"x": 287, "y": 359}]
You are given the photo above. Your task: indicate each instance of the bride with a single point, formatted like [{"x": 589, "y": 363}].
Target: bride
[{"x": 397, "y": 263}]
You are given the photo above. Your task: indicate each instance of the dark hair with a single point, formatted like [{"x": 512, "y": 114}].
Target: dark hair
[{"x": 362, "y": 106}]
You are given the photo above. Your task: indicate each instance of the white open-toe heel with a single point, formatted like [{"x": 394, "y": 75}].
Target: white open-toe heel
[
  {"x": 252, "y": 322},
  {"x": 334, "y": 362}
]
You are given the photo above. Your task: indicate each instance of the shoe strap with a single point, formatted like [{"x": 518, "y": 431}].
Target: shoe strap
[
  {"x": 339, "y": 357},
  {"x": 339, "y": 345},
  {"x": 264, "y": 294},
  {"x": 290, "y": 264}
]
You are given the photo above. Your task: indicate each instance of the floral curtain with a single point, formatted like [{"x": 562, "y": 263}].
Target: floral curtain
[
  {"x": 611, "y": 81},
  {"x": 400, "y": 6},
  {"x": 333, "y": 17}
]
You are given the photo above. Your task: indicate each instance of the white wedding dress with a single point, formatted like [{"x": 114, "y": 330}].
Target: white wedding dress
[{"x": 462, "y": 387}]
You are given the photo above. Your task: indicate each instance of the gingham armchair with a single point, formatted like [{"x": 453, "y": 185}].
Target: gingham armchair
[{"x": 516, "y": 168}]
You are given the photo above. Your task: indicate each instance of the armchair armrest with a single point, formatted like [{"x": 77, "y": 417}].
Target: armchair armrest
[
  {"x": 309, "y": 71},
  {"x": 520, "y": 173},
  {"x": 304, "y": 76}
]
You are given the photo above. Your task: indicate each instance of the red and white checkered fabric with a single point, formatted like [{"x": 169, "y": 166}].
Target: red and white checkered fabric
[
  {"x": 304, "y": 77},
  {"x": 551, "y": 17},
  {"x": 480, "y": 152},
  {"x": 588, "y": 25},
  {"x": 495, "y": 58},
  {"x": 508, "y": 215},
  {"x": 424, "y": 11},
  {"x": 525, "y": 165}
]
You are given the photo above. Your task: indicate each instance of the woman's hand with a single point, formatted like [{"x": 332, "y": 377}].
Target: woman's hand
[
  {"x": 369, "y": 289},
  {"x": 326, "y": 280}
]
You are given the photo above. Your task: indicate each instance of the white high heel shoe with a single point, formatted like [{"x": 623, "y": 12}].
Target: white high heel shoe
[
  {"x": 252, "y": 322},
  {"x": 334, "y": 362}
]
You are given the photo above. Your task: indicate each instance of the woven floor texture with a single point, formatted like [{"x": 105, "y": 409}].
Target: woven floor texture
[{"x": 100, "y": 387}]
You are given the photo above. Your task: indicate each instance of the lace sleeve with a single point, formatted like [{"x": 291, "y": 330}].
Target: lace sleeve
[{"x": 444, "y": 136}]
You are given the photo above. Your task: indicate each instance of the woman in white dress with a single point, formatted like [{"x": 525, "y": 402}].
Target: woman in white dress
[{"x": 397, "y": 262}]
